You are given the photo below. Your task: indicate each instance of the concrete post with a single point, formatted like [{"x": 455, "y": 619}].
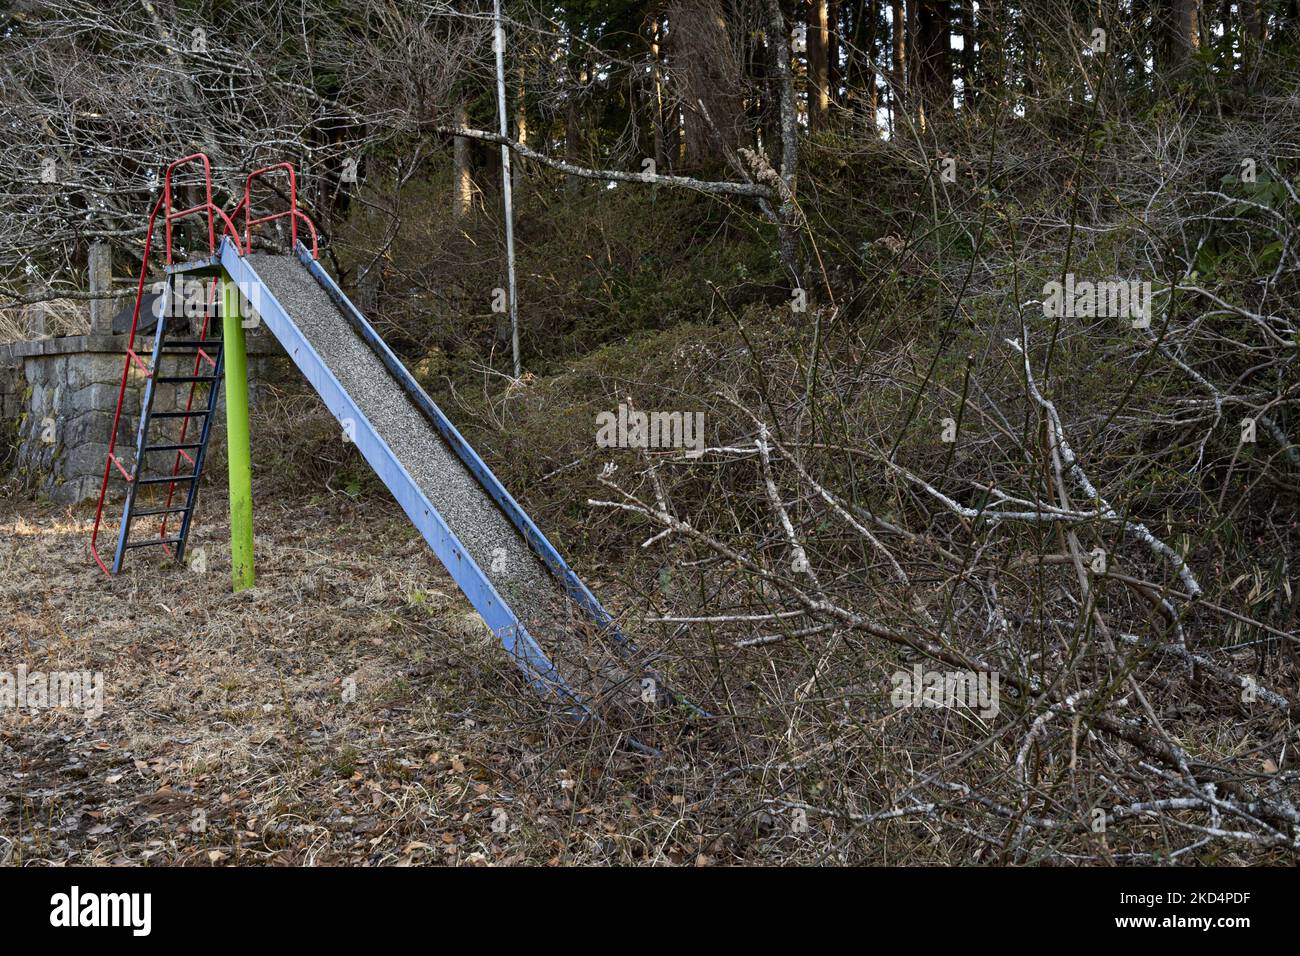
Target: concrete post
[
  {"x": 35, "y": 312},
  {"x": 101, "y": 280}
]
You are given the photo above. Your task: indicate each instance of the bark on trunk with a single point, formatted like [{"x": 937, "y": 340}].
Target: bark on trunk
[
  {"x": 461, "y": 185},
  {"x": 1187, "y": 35},
  {"x": 933, "y": 58},
  {"x": 521, "y": 132},
  {"x": 788, "y": 236},
  {"x": 818, "y": 64},
  {"x": 898, "y": 87},
  {"x": 861, "y": 80},
  {"x": 968, "y": 41},
  {"x": 657, "y": 98}
]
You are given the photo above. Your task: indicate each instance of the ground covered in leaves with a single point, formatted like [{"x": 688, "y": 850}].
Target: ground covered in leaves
[{"x": 351, "y": 709}]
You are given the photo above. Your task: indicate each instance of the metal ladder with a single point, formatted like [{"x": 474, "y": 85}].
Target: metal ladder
[{"x": 151, "y": 437}]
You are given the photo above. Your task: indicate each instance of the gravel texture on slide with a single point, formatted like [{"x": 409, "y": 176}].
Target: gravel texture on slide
[{"x": 536, "y": 596}]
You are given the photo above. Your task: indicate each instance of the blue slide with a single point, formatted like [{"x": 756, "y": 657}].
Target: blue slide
[{"x": 546, "y": 618}]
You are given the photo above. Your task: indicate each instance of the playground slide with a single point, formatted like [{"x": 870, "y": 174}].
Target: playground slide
[
  {"x": 545, "y": 617},
  {"x": 548, "y": 621}
]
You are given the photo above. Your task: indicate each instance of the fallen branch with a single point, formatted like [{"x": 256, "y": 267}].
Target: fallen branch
[{"x": 754, "y": 190}]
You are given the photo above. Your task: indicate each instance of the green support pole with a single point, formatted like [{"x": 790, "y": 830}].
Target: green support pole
[{"x": 238, "y": 438}]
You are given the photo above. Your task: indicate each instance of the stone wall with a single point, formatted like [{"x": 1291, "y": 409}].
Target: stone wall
[
  {"x": 12, "y": 385},
  {"x": 58, "y": 397}
]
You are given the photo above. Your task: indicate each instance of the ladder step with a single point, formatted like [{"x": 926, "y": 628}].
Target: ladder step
[
  {"x": 185, "y": 378},
  {"x": 152, "y": 541},
  {"x": 192, "y": 413},
  {"x": 158, "y": 511},
  {"x": 196, "y": 444},
  {"x": 165, "y": 481}
]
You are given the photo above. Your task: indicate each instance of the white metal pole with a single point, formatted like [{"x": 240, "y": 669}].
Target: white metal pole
[{"x": 499, "y": 42}]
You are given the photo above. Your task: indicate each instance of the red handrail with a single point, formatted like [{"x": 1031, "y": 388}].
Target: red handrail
[
  {"x": 164, "y": 206},
  {"x": 205, "y": 205},
  {"x": 213, "y": 212},
  {"x": 121, "y": 392},
  {"x": 293, "y": 212}
]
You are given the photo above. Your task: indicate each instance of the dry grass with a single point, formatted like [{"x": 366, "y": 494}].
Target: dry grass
[
  {"x": 225, "y": 738},
  {"x": 232, "y": 706},
  {"x": 62, "y": 317}
]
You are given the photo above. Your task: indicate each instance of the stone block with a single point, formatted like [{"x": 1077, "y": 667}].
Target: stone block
[
  {"x": 93, "y": 426},
  {"x": 85, "y": 460}
]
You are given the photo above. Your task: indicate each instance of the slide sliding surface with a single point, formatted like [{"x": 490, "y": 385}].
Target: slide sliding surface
[{"x": 468, "y": 529}]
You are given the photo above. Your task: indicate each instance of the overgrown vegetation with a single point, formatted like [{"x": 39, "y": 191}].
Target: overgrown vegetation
[{"x": 926, "y": 470}]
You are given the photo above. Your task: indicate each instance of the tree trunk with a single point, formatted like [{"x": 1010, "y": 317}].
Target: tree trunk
[
  {"x": 861, "y": 81},
  {"x": 1252, "y": 23},
  {"x": 833, "y": 75},
  {"x": 1252, "y": 37},
  {"x": 818, "y": 64},
  {"x": 933, "y": 58},
  {"x": 788, "y": 236},
  {"x": 462, "y": 187},
  {"x": 673, "y": 136},
  {"x": 573, "y": 129},
  {"x": 1137, "y": 53},
  {"x": 990, "y": 33},
  {"x": 1187, "y": 35},
  {"x": 968, "y": 40},
  {"x": 911, "y": 18},
  {"x": 521, "y": 131},
  {"x": 657, "y": 98},
  {"x": 1177, "y": 31},
  {"x": 708, "y": 70},
  {"x": 898, "y": 85}
]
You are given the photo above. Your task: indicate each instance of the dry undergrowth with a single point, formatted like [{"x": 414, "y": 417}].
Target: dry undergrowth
[{"x": 226, "y": 738}]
